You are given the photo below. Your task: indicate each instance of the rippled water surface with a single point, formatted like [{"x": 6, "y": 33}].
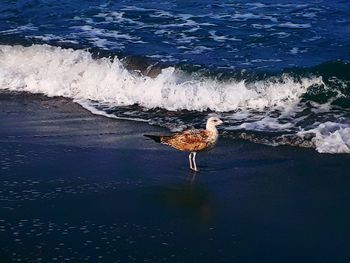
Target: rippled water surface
[{"x": 229, "y": 34}]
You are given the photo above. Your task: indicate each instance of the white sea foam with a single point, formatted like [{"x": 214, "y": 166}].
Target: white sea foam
[
  {"x": 28, "y": 27},
  {"x": 260, "y": 26},
  {"x": 75, "y": 74},
  {"x": 183, "y": 39},
  {"x": 198, "y": 50},
  {"x": 294, "y": 50},
  {"x": 293, "y": 25},
  {"x": 52, "y": 37},
  {"x": 136, "y": 8},
  {"x": 281, "y": 34},
  {"x": 217, "y": 38},
  {"x": 331, "y": 137},
  {"x": 162, "y": 13},
  {"x": 266, "y": 123},
  {"x": 251, "y": 16},
  {"x": 88, "y": 106},
  {"x": 64, "y": 72},
  {"x": 93, "y": 31},
  {"x": 256, "y": 5}
]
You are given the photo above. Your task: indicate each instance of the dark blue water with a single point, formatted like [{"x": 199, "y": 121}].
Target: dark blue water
[{"x": 268, "y": 35}]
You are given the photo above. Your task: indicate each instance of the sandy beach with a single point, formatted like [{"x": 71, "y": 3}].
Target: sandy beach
[{"x": 77, "y": 187}]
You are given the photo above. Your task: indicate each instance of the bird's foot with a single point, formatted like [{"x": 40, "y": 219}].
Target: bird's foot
[{"x": 194, "y": 169}]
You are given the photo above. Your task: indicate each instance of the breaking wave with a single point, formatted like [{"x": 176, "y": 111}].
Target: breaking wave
[
  {"x": 75, "y": 74},
  {"x": 291, "y": 103}
]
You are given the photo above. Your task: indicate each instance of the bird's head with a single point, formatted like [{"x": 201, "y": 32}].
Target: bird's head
[{"x": 212, "y": 122}]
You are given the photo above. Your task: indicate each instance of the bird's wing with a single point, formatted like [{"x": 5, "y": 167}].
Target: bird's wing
[{"x": 190, "y": 140}]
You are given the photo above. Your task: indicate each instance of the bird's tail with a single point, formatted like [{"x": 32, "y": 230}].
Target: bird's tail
[{"x": 155, "y": 138}]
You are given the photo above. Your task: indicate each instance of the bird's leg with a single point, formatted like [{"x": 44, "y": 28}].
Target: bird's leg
[
  {"x": 194, "y": 161},
  {"x": 190, "y": 159}
]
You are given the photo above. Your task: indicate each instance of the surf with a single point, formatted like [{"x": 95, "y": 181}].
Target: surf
[{"x": 288, "y": 102}]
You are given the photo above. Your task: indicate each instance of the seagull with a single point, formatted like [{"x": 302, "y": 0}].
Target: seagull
[{"x": 193, "y": 140}]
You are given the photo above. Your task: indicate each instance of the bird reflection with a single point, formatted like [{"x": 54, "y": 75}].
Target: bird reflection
[
  {"x": 192, "y": 177},
  {"x": 190, "y": 200}
]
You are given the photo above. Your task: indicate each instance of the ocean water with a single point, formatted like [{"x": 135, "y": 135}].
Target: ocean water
[{"x": 277, "y": 72}]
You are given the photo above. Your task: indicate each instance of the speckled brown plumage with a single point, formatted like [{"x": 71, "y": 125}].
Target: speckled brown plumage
[{"x": 191, "y": 140}]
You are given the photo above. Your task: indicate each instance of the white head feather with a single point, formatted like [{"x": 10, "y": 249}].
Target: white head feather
[{"x": 212, "y": 122}]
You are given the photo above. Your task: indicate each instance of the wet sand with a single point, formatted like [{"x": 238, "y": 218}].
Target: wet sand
[{"x": 76, "y": 187}]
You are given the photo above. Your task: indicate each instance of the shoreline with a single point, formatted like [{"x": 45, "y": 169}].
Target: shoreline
[
  {"x": 58, "y": 120},
  {"x": 84, "y": 188}
]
